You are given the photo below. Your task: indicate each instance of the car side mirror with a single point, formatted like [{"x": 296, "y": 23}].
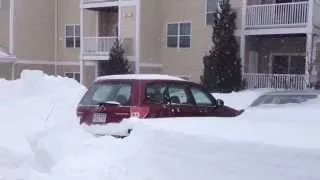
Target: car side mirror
[{"x": 220, "y": 103}]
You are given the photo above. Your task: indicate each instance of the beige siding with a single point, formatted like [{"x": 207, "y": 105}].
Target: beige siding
[
  {"x": 34, "y": 29},
  {"x": 155, "y": 17},
  {"x": 5, "y": 70},
  {"x": 68, "y": 13},
  {"x": 152, "y": 23},
  {"x": 186, "y": 61},
  {"x": 4, "y": 24},
  {"x": 128, "y": 29},
  {"x": 48, "y": 69},
  {"x": 90, "y": 72}
]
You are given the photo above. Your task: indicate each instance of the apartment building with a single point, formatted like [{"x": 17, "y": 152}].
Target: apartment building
[
  {"x": 41, "y": 34},
  {"x": 279, "y": 39}
]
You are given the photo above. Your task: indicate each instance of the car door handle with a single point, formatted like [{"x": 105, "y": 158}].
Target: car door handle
[{"x": 203, "y": 111}]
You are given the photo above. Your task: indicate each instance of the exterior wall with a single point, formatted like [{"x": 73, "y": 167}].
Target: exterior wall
[
  {"x": 155, "y": 17},
  {"x": 128, "y": 29},
  {"x": 152, "y": 23},
  {"x": 186, "y": 61},
  {"x": 4, "y": 22},
  {"x": 5, "y": 70},
  {"x": 150, "y": 70},
  {"x": 46, "y": 68},
  {"x": 90, "y": 71},
  {"x": 68, "y": 13},
  {"x": 34, "y": 29}
]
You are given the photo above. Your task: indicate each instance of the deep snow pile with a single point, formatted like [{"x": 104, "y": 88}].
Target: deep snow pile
[
  {"x": 2, "y": 81},
  {"x": 29, "y": 107},
  {"x": 40, "y": 139}
]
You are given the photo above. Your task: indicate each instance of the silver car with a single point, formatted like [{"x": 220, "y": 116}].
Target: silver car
[{"x": 285, "y": 97}]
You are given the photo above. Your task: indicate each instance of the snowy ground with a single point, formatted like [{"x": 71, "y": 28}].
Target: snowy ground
[{"x": 40, "y": 140}]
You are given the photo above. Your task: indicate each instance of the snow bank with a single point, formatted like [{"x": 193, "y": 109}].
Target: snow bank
[
  {"x": 240, "y": 100},
  {"x": 165, "y": 154},
  {"x": 29, "y": 107}
]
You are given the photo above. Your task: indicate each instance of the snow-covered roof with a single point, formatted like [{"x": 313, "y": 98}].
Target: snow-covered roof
[{"x": 140, "y": 77}]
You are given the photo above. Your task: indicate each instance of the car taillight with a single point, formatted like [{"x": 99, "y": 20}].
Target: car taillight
[
  {"x": 79, "y": 113},
  {"x": 139, "y": 112}
]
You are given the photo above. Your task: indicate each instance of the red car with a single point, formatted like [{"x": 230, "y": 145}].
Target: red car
[{"x": 113, "y": 98}]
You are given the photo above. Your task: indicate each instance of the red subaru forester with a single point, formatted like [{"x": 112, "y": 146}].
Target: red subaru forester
[{"x": 112, "y": 98}]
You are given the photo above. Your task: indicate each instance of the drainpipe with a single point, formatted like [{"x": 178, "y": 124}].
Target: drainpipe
[
  {"x": 11, "y": 28},
  {"x": 55, "y": 36},
  {"x": 13, "y": 70},
  {"x": 81, "y": 44},
  {"x": 138, "y": 32}
]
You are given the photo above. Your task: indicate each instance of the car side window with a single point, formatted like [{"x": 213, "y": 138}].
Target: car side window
[
  {"x": 155, "y": 92},
  {"x": 201, "y": 98},
  {"x": 178, "y": 95}
]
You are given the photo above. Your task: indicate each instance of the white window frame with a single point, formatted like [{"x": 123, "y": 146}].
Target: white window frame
[
  {"x": 74, "y": 36},
  {"x": 210, "y": 12},
  {"x": 289, "y": 55},
  {"x": 178, "y": 35},
  {"x": 73, "y": 75}
]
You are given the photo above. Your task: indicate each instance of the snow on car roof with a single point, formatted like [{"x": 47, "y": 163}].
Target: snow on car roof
[{"x": 140, "y": 77}]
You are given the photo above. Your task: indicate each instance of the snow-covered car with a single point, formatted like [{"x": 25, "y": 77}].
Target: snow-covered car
[
  {"x": 285, "y": 97},
  {"x": 114, "y": 98}
]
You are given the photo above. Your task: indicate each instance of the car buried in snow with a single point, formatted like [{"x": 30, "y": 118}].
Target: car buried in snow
[{"x": 116, "y": 97}]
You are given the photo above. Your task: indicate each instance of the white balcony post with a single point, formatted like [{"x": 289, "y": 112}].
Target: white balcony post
[
  {"x": 308, "y": 57},
  {"x": 11, "y": 28},
  {"x": 81, "y": 45},
  {"x": 310, "y": 15},
  {"x": 138, "y": 29},
  {"x": 243, "y": 36}
]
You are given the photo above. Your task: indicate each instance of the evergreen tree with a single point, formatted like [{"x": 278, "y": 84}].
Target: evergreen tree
[
  {"x": 118, "y": 63},
  {"x": 222, "y": 66}
]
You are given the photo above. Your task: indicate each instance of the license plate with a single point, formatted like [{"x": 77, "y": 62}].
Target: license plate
[{"x": 99, "y": 118}]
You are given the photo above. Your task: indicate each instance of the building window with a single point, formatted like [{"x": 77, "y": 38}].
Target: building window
[
  {"x": 211, "y": 8},
  {"x": 72, "y": 36},
  {"x": 179, "y": 35},
  {"x": 73, "y": 75}
]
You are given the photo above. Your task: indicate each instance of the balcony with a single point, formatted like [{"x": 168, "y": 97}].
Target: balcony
[
  {"x": 280, "y": 15},
  {"x": 97, "y": 48}
]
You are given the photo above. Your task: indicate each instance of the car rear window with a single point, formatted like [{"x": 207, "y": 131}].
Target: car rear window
[
  {"x": 108, "y": 92},
  {"x": 284, "y": 99}
]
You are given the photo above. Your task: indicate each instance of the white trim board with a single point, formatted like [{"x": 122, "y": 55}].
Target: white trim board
[
  {"x": 271, "y": 31},
  {"x": 66, "y": 63},
  {"x": 151, "y": 65},
  {"x": 107, "y": 4}
]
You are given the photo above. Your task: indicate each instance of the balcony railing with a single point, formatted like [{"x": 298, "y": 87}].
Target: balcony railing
[
  {"x": 98, "y": 46},
  {"x": 277, "y": 15},
  {"x": 277, "y": 81}
]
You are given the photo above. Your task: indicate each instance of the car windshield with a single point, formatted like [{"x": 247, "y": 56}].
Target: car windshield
[
  {"x": 284, "y": 99},
  {"x": 108, "y": 93}
]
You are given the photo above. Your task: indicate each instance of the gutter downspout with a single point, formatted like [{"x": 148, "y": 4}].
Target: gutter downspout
[
  {"x": 55, "y": 36},
  {"x": 138, "y": 33}
]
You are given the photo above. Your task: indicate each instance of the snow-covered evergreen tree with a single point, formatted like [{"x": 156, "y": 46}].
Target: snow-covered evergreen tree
[
  {"x": 118, "y": 63},
  {"x": 222, "y": 66}
]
